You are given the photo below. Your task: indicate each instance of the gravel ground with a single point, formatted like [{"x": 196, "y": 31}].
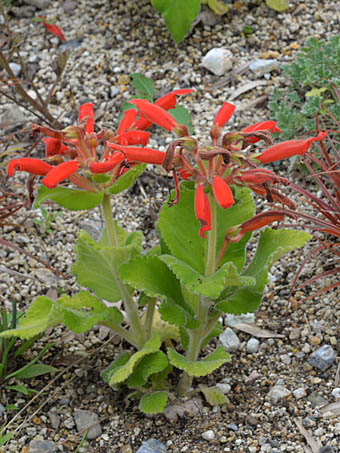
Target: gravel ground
[{"x": 270, "y": 389}]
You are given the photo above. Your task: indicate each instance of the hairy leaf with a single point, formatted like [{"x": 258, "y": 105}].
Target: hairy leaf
[
  {"x": 271, "y": 246},
  {"x": 121, "y": 374},
  {"x": 202, "y": 367},
  {"x": 178, "y": 15},
  {"x": 126, "y": 179},
  {"x": 144, "y": 85},
  {"x": 153, "y": 403},
  {"x": 213, "y": 395},
  {"x": 71, "y": 199},
  {"x": 150, "y": 364}
]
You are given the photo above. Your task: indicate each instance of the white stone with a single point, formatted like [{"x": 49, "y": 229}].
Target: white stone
[
  {"x": 218, "y": 60},
  {"x": 208, "y": 435},
  {"x": 299, "y": 393},
  {"x": 261, "y": 67},
  {"x": 230, "y": 340},
  {"x": 253, "y": 345},
  {"x": 16, "y": 68}
]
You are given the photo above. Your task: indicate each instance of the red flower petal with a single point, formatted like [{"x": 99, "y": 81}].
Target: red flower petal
[
  {"x": 222, "y": 192},
  {"x": 261, "y": 126},
  {"x": 169, "y": 100},
  {"x": 87, "y": 110},
  {"x": 135, "y": 154},
  {"x": 224, "y": 114},
  {"x": 288, "y": 149},
  {"x": 154, "y": 113},
  {"x": 54, "y": 146},
  {"x": 59, "y": 173},
  {"x": 110, "y": 164},
  {"x": 53, "y": 29},
  {"x": 128, "y": 120},
  {"x": 202, "y": 210},
  {"x": 34, "y": 166},
  {"x": 133, "y": 138}
]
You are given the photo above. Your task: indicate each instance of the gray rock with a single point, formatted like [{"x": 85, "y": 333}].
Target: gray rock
[
  {"x": 208, "y": 435},
  {"x": 40, "y": 446},
  {"x": 286, "y": 359},
  {"x": 54, "y": 418},
  {"x": 94, "y": 228},
  {"x": 2, "y": 408},
  {"x": 40, "y": 4},
  {"x": 253, "y": 345},
  {"x": 316, "y": 400},
  {"x": 309, "y": 422},
  {"x": 225, "y": 388},
  {"x": 152, "y": 446},
  {"x": 218, "y": 60},
  {"x": 322, "y": 358},
  {"x": 84, "y": 419},
  {"x": 277, "y": 393},
  {"x": 232, "y": 427},
  {"x": 299, "y": 393},
  {"x": 69, "y": 7},
  {"x": 261, "y": 67},
  {"x": 24, "y": 11},
  {"x": 230, "y": 340},
  {"x": 12, "y": 118},
  {"x": 16, "y": 68}
]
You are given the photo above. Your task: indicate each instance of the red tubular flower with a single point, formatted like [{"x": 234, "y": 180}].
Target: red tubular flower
[
  {"x": 54, "y": 146},
  {"x": 165, "y": 102},
  {"x": 127, "y": 121},
  {"x": 202, "y": 210},
  {"x": 261, "y": 126},
  {"x": 260, "y": 176},
  {"x": 133, "y": 138},
  {"x": 34, "y": 166},
  {"x": 288, "y": 149},
  {"x": 87, "y": 110},
  {"x": 59, "y": 173},
  {"x": 154, "y": 113},
  {"x": 108, "y": 165},
  {"x": 224, "y": 114},
  {"x": 135, "y": 154},
  {"x": 222, "y": 192},
  {"x": 169, "y": 100},
  {"x": 53, "y": 29}
]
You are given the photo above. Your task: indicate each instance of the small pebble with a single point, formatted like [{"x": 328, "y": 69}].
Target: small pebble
[
  {"x": 152, "y": 446},
  {"x": 208, "y": 435},
  {"x": 230, "y": 340},
  {"x": 277, "y": 393},
  {"x": 299, "y": 393},
  {"x": 84, "y": 419},
  {"x": 253, "y": 345},
  {"x": 218, "y": 61},
  {"x": 336, "y": 393},
  {"x": 322, "y": 358}
]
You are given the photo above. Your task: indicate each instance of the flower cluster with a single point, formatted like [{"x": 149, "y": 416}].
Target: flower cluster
[
  {"x": 230, "y": 159},
  {"x": 77, "y": 153}
]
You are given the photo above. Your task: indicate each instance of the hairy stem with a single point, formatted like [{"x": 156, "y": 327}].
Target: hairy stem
[{"x": 129, "y": 304}]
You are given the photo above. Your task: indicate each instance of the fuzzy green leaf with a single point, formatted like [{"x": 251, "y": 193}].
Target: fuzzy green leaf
[
  {"x": 71, "y": 199},
  {"x": 271, "y": 246},
  {"x": 127, "y": 179},
  {"x": 185, "y": 243},
  {"x": 210, "y": 286},
  {"x": 144, "y": 85},
  {"x": 96, "y": 265},
  {"x": 150, "y": 364},
  {"x": 82, "y": 311},
  {"x": 202, "y": 367},
  {"x": 178, "y": 15},
  {"x": 214, "y": 396},
  {"x": 41, "y": 314},
  {"x": 218, "y": 6},
  {"x": 153, "y": 403},
  {"x": 127, "y": 369},
  {"x": 120, "y": 361}
]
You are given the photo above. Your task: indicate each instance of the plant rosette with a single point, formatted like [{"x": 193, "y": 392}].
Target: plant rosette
[{"x": 173, "y": 295}]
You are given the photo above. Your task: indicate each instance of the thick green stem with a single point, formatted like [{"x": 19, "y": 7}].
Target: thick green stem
[
  {"x": 150, "y": 311},
  {"x": 130, "y": 306},
  {"x": 123, "y": 333},
  {"x": 197, "y": 336}
]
